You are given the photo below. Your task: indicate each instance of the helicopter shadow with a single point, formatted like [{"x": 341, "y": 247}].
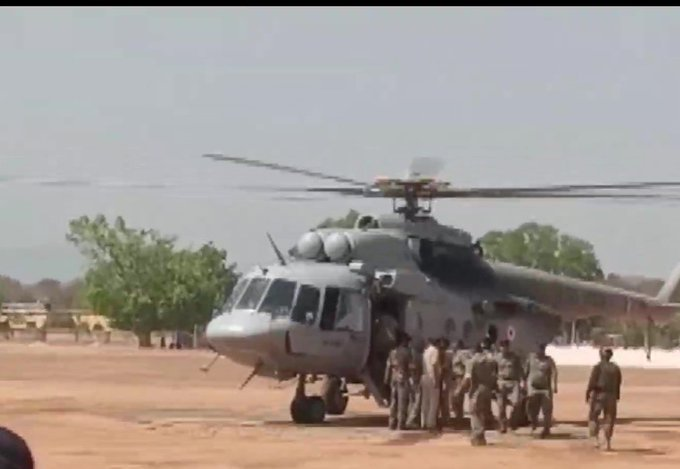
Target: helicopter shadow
[{"x": 358, "y": 421}]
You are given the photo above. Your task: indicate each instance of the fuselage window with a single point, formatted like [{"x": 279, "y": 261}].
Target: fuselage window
[
  {"x": 330, "y": 307},
  {"x": 279, "y": 298},
  {"x": 253, "y": 294},
  {"x": 306, "y": 305}
]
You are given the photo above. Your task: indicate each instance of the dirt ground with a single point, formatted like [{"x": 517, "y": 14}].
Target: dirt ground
[{"x": 86, "y": 407}]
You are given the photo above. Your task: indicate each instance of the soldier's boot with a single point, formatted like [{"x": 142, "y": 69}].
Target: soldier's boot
[
  {"x": 392, "y": 423},
  {"x": 401, "y": 424},
  {"x": 608, "y": 446},
  {"x": 592, "y": 429},
  {"x": 502, "y": 421},
  {"x": 478, "y": 441}
]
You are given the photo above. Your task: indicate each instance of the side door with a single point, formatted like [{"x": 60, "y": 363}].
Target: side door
[
  {"x": 345, "y": 329},
  {"x": 303, "y": 336}
]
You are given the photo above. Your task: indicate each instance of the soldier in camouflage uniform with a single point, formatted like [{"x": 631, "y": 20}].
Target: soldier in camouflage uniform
[
  {"x": 397, "y": 375},
  {"x": 540, "y": 374},
  {"x": 509, "y": 381},
  {"x": 461, "y": 356},
  {"x": 603, "y": 393},
  {"x": 415, "y": 392},
  {"x": 481, "y": 377},
  {"x": 446, "y": 355}
]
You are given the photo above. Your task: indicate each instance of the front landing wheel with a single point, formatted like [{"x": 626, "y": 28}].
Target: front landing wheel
[{"x": 308, "y": 410}]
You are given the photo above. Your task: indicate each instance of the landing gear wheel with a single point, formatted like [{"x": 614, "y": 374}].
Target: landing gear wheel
[
  {"x": 299, "y": 410},
  {"x": 333, "y": 396},
  {"x": 316, "y": 409},
  {"x": 308, "y": 410}
]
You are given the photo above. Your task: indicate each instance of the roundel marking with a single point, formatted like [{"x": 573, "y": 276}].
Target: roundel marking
[{"x": 511, "y": 333}]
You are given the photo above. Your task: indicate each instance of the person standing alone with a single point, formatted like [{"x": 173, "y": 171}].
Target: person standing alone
[{"x": 602, "y": 395}]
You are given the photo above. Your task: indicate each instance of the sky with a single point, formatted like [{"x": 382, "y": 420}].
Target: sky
[{"x": 503, "y": 96}]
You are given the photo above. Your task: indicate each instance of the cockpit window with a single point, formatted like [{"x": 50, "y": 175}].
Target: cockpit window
[
  {"x": 307, "y": 305},
  {"x": 253, "y": 294},
  {"x": 279, "y": 298},
  {"x": 235, "y": 294}
]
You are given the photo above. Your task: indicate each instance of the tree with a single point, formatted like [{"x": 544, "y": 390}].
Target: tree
[
  {"x": 347, "y": 221},
  {"x": 543, "y": 247},
  {"x": 143, "y": 283}
]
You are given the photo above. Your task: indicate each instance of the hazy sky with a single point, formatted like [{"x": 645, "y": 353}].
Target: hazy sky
[{"x": 504, "y": 96}]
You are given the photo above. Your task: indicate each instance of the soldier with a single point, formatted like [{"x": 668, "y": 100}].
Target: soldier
[
  {"x": 461, "y": 356},
  {"x": 603, "y": 393},
  {"x": 429, "y": 385},
  {"x": 509, "y": 379},
  {"x": 480, "y": 380},
  {"x": 446, "y": 356},
  {"x": 415, "y": 391},
  {"x": 397, "y": 374},
  {"x": 540, "y": 373}
]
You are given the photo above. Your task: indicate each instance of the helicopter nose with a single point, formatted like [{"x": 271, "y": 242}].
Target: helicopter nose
[{"x": 239, "y": 332}]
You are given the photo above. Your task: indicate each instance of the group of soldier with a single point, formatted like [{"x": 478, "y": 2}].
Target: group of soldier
[{"x": 429, "y": 383}]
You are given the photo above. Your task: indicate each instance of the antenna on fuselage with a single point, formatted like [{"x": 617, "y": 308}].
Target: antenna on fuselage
[{"x": 282, "y": 260}]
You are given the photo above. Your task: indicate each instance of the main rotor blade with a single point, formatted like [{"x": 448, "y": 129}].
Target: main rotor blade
[
  {"x": 359, "y": 191},
  {"x": 577, "y": 187},
  {"x": 446, "y": 193},
  {"x": 489, "y": 194},
  {"x": 284, "y": 168}
]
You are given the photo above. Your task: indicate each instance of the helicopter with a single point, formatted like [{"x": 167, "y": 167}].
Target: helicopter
[{"x": 333, "y": 306}]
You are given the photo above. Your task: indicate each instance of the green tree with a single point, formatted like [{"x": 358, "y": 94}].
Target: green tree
[
  {"x": 143, "y": 283},
  {"x": 347, "y": 221},
  {"x": 543, "y": 247}
]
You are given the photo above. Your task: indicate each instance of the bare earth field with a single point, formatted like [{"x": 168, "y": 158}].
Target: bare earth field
[{"x": 87, "y": 407}]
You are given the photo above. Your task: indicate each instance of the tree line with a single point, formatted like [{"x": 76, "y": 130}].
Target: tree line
[{"x": 143, "y": 281}]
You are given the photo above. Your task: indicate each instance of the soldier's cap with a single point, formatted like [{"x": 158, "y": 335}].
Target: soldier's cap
[
  {"x": 14, "y": 452},
  {"x": 607, "y": 352}
]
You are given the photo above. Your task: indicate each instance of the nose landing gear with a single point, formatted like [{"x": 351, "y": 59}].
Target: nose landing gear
[{"x": 306, "y": 409}]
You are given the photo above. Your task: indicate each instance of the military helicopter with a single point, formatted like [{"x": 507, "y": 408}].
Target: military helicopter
[{"x": 332, "y": 306}]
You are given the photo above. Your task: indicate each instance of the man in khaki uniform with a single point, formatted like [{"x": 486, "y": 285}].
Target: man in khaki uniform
[
  {"x": 397, "y": 376},
  {"x": 509, "y": 380},
  {"x": 480, "y": 379},
  {"x": 461, "y": 356},
  {"x": 603, "y": 393},
  {"x": 429, "y": 385},
  {"x": 540, "y": 374}
]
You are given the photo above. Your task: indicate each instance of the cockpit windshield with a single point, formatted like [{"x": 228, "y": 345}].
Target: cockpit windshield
[
  {"x": 253, "y": 294},
  {"x": 279, "y": 298},
  {"x": 235, "y": 294}
]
